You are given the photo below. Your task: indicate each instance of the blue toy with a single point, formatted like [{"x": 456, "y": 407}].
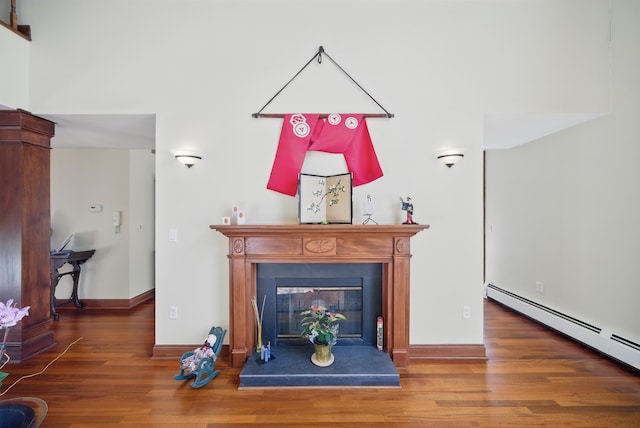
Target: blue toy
[{"x": 201, "y": 362}]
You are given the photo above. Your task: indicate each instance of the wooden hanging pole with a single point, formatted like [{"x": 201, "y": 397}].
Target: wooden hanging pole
[
  {"x": 321, "y": 115},
  {"x": 318, "y": 56}
]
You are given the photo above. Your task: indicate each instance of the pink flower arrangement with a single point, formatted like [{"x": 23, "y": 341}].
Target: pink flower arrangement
[
  {"x": 321, "y": 326},
  {"x": 10, "y": 314}
]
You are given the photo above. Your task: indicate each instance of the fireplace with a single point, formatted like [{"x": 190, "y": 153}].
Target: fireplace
[
  {"x": 352, "y": 289},
  {"x": 251, "y": 246}
]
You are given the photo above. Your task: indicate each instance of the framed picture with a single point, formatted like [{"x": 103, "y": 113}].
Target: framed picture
[{"x": 325, "y": 199}]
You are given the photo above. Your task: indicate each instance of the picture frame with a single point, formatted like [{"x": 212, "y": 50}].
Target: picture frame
[{"x": 325, "y": 199}]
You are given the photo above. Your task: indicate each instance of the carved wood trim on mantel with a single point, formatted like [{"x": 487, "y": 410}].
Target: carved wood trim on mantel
[{"x": 250, "y": 245}]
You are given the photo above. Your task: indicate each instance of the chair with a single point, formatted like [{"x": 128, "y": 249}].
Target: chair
[{"x": 203, "y": 372}]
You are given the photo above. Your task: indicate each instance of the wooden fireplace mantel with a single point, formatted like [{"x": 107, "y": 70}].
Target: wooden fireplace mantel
[{"x": 250, "y": 245}]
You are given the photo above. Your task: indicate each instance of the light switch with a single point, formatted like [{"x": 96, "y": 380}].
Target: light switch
[{"x": 173, "y": 235}]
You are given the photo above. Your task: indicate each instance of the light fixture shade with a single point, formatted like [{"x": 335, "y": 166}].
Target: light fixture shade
[
  {"x": 450, "y": 157},
  {"x": 188, "y": 160}
]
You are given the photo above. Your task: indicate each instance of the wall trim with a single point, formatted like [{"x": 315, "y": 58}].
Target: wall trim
[
  {"x": 170, "y": 352},
  {"x": 113, "y": 303},
  {"x": 419, "y": 353},
  {"x": 592, "y": 336}
]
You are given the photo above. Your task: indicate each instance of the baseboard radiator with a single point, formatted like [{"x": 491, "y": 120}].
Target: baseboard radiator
[{"x": 606, "y": 342}]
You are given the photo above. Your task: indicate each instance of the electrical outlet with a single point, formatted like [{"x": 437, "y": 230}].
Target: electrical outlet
[
  {"x": 173, "y": 312},
  {"x": 539, "y": 287},
  {"x": 466, "y": 311}
]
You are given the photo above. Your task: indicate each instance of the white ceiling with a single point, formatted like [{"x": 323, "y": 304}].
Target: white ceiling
[
  {"x": 104, "y": 131},
  {"x": 506, "y": 130}
]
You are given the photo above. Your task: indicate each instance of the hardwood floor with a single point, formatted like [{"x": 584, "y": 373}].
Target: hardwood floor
[{"x": 533, "y": 377}]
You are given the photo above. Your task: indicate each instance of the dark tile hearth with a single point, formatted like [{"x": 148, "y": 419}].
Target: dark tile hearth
[{"x": 354, "y": 366}]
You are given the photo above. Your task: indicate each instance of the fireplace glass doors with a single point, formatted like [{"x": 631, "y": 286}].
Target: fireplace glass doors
[
  {"x": 352, "y": 289},
  {"x": 290, "y": 301}
]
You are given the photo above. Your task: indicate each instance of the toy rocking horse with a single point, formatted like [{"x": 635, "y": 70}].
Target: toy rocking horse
[{"x": 201, "y": 362}]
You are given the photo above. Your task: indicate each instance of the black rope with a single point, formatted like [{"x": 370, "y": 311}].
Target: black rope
[
  {"x": 318, "y": 55},
  {"x": 361, "y": 88}
]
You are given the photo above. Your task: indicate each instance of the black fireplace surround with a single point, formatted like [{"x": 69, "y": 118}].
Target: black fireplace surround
[{"x": 360, "y": 327}]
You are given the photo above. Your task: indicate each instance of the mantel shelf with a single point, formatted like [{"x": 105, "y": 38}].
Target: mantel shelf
[{"x": 315, "y": 229}]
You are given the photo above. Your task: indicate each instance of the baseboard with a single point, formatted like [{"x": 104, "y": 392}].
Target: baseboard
[
  {"x": 416, "y": 352},
  {"x": 112, "y": 303},
  {"x": 447, "y": 352},
  {"x": 170, "y": 352},
  {"x": 592, "y": 336}
]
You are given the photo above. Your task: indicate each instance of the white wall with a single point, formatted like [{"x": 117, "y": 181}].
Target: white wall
[
  {"x": 14, "y": 85},
  {"x": 119, "y": 180},
  {"x": 205, "y": 66},
  {"x": 141, "y": 222},
  {"x": 564, "y": 210},
  {"x": 5, "y": 9}
]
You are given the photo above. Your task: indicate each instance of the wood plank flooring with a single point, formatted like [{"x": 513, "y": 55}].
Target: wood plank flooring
[{"x": 533, "y": 377}]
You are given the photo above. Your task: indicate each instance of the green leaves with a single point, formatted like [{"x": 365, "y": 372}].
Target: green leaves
[{"x": 320, "y": 325}]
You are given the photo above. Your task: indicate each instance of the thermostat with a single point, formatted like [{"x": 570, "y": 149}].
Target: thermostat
[{"x": 95, "y": 208}]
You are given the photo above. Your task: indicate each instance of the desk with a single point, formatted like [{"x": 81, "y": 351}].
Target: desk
[{"x": 75, "y": 259}]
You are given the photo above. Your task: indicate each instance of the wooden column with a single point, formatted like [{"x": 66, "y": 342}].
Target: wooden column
[
  {"x": 25, "y": 227},
  {"x": 400, "y": 302},
  {"x": 250, "y": 245}
]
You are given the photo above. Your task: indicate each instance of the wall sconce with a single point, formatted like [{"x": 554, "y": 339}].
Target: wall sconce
[
  {"x": 188, "y": 160},
  {"x": 450, "y": 157}
]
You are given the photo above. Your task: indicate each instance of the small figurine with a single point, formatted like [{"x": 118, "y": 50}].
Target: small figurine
[
  {"x": 368, "y": 211},
  {"x": 265, "y": 354},
  {"x": 408, "y": 207}
]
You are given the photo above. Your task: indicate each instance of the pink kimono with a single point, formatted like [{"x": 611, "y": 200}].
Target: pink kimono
[{"x": 338, "y": 133}]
